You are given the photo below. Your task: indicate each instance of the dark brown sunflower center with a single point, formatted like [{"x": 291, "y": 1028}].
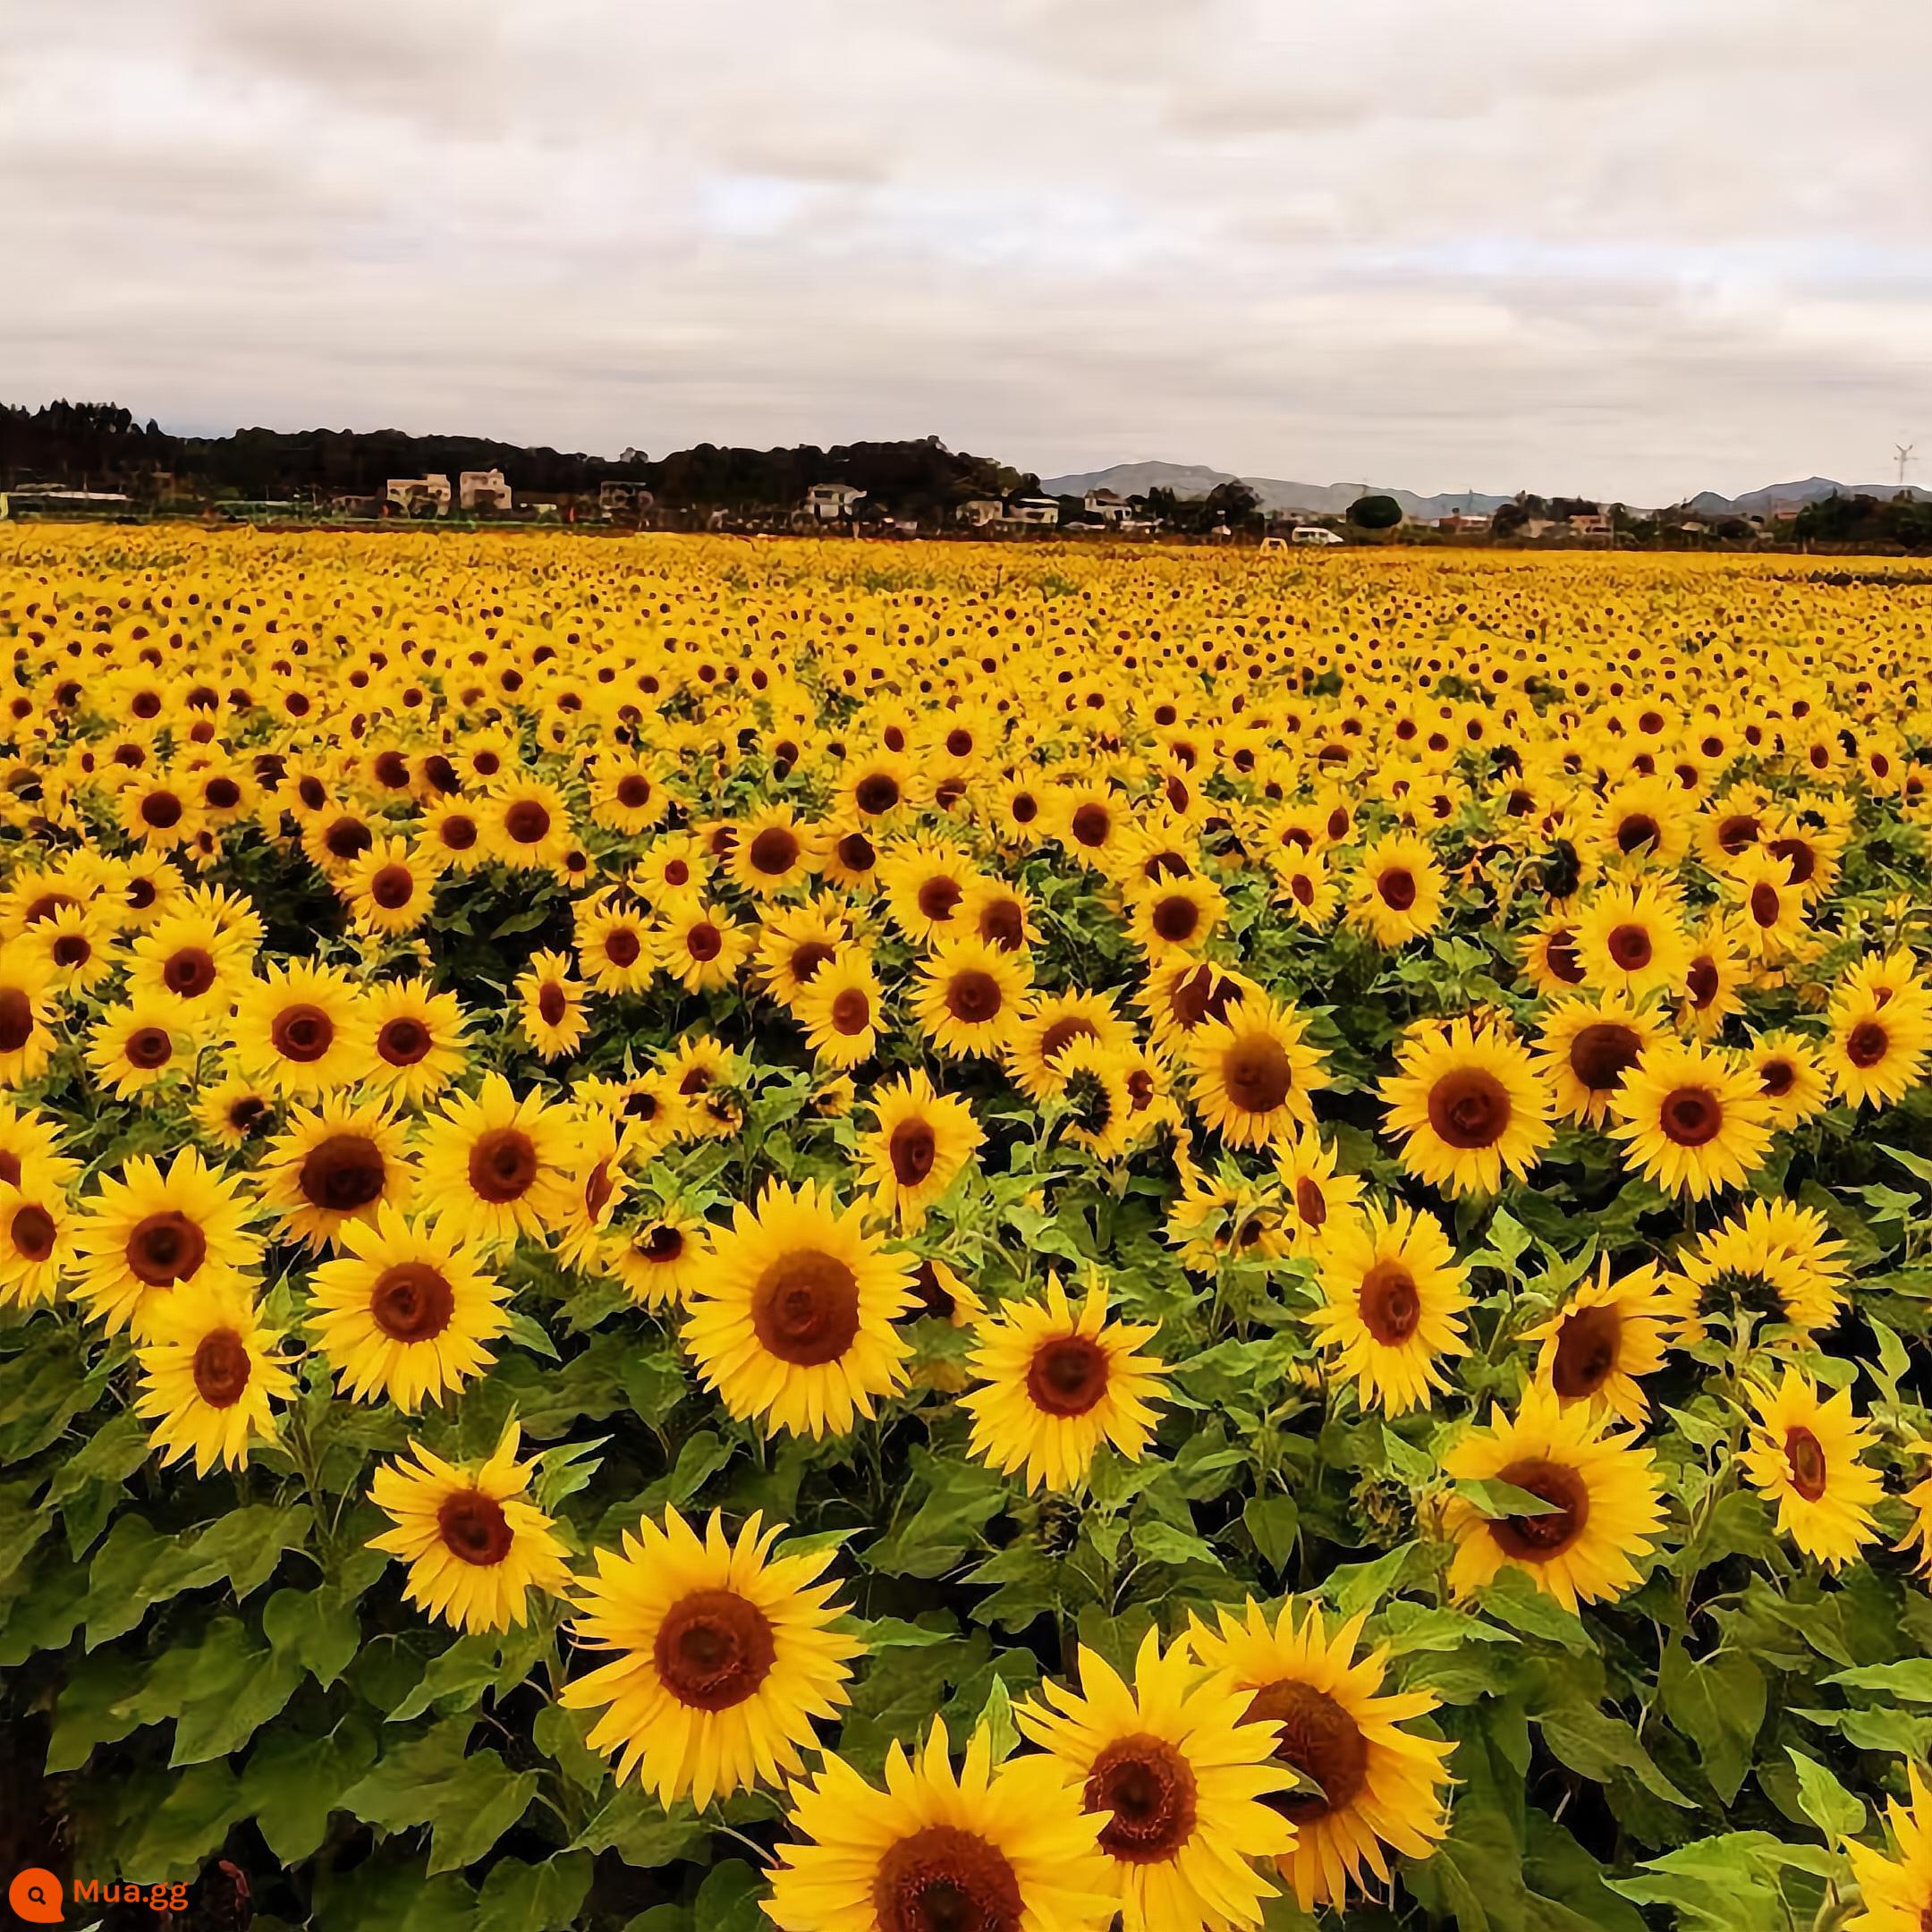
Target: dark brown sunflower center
[
  {"x": 1703, "y": 981},
  {"x": 1866, "y": 1044},
  {"x": 392, "y": 888},
  {"x": 16, "y": 1020},
  {"x": 1765, "y": 904},
  {"x": 663, "y": 1243},
  {"x": 1691, "y": 1116},
  {"x": 1629, "y": 946},
  {"x": 1560, "y": 955},
  {"x": 527, "y": 822},
  {"x": 552, "y": 1002},
  {"x": 403, "y": 1042},
  {"x": 166, "y": 1247},
  {"x": 1258, "y": 1073},
  {"x": 1311, "y": 1205},
  {"x": 1637, "y": 831},
  {"x": 503, "y": 1164},
  {"x": 474, "y": 1528},
  {"x": 1063, "y": 1032},
  {"x": 458, "y": 832},
  {"x": 1175, "y": 918},
  {"x": 805, "y": 1308},
  {"x": 246, "y": 1113},
  {"x": 1777, "y": 1078},
  {"x": 1201, "y": 995},
  {"x": 934, "y": 1296},
  {"x": 808, "y": 958},
  {"x": 943, "y": 1879},
  {"x": 912, "y": 1147},
  {"x": 221, "y": 1368},
  {"x": 347, "y": 839},
  {"x": 1396, "y": 887},
  {"x": 1320, "y": 1740},
  {"x": 302, "y": 1033},
  {"x": 1149, "y": 1789},
  {"x": 973, "y": 997},
  {"x": 1736, "y": 832},
  {"x": 1602, "y": 1052},
  {"x": 704, "y": 942},
  {"x": 773, "y": 851},
  {"x": 411, "y": 1302},
  {"x": 343, "y": 1174},
  {"x": 633, "y": 792},
  {"x": 71, "y": 950},
  {"x": 937, "y": 897},
  {"x": 32, "y": 1233},
  {"x": 190, "y": 971},
  {"x": 1537, "y": 1538},
  {"x": 1067, "y": 1376},
  {"x": 161, "y": 810},
  {"x": 1002, "y": 923},
  {"x": 856, "y": 854},
  {"x": 876, "y": 792},
  {"x": 1389, "y": 1302},
  {"x": 1587, "y": 1346},
  {"x": 149, "y": 1048},
  {"x": 852, "y": 1011},
  {"x": 1804, "y": 1456},
  {"x": 1090, "y": 825},
  {"x": 1469, "y": 1109},
  {"x": 714, "y": 1649},
  {"x": 1800, "y": 856}
]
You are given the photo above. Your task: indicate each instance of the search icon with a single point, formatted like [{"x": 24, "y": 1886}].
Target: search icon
[{"x": 36, "y": 1896}]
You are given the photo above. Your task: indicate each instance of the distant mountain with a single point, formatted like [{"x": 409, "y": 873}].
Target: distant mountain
[
  {"x": 1812, "y": 489},
  {"x": 1317, "y": 499}
]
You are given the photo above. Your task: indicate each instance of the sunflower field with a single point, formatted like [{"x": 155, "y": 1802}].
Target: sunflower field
[{"x": 700, "y": 1235}]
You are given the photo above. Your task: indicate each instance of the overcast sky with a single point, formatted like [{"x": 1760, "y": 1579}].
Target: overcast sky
[{"x": 1632, "y": 251}]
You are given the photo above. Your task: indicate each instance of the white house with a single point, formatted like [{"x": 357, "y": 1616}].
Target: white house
[
  {"x": 979, "y": 510},
  {"x": 416, "y": 496},
  {"x": 830, "y": 501},
  {"x": 1039, "y": 510},
  {"x": 1108, "y": 505},
  {"x": 483, "y": 489}
]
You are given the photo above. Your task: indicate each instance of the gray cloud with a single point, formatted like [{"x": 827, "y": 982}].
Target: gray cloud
[{"x": 1636, "y": 252}]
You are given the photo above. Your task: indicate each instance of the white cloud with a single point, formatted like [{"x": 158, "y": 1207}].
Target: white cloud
[{"x": 1638, "y": 252}]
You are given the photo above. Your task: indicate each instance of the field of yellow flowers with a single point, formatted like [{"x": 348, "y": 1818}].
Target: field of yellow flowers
[{"x": 697, "y": 1235}]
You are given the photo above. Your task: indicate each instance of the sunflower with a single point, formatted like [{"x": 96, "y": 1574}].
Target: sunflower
[
  {"x": 1731, "y": 1271},
  {"x": 1098, "y": 1109},
  {"x": 1471, "y": 1105},
  {"x": 1712, "y": 987},
  {"x": 1186, "y": 1782},
  {"x": 416, "y": 1040},
  {"x": 30, "y": 1150},
  {"x": 146, "y": 1231},
  {"x": 1183, "y": 996},
  {"x": 970, "y": 996},
  {"x": 37, "y": 1247},
  {"x": 1392, "y": 1296},
  {"x": 795, "y": 943},
  {"x": 1368, "y": 1784},
  {"x": 27, "y": 1012},
  {"x": 701, "y": 945},
  {"x": 1897, "y": 1893},
  {"x": 451, "y": 838},
  {"x": 926, "y": 886},
  {"x": 792, "y": 1319},
  {"x": 475, "y": 1548},
  {"x": 628, "y": 795},
  {"x": 941, "y": 1295},
  {"x": 1691, "y": 1119},
  {"x": 1605, "y": 1335},
  {"x": 1805, "y": 1455},
  {"x": 552, "y": 1005},
  {"x": 999, "y": 912},
  {"x": 1053, "y": 1022},
  {"x": 773, "y": 852},
  {"x": 1791, "y": 1077},
  {"x": 233, "y": 1112},
  {"x": 725, "y": 1655},
  {"x": 496, "y": 1167},
  {"x": 406, "y": 1312},
  {"x": 1319, "y": 1200},
  {"x": 1586, "y": 1045},
  {"x": 660, "y": 1258},
  {"x": 388, "y": 888},
  {"x": 1175, "y": 916},
  {"x": 1646, "y": 821},
  {"x": 840, "y": 1009},
  {"x": 1629, "y": 940},
  {"x": 990, "y": 1849},
  {"x": 302, "y": 1028},
  {"x": 1603, "y": 1494},
  {"x": 1303, "y": 884},
  {"x": 336, "y": 1162},
  {"x": 1550, "y": 956},
  {"x": 920, "y": 1144},
  {"x": 209, "y": 1373},
  {"x": 527, "y": 825},
  {"x": 1769, "y": 915},
  {"x": 1253, "y": 1073},
  {"x": 701, "y": 1080},
  {"x": 195, "y": 959},
  {"x": 1397, "y": 892},
  {"x": 1058, "y": 1385},
  {"x": 1877, "y": 1051},
  {"x": 74, "y": 940},
  {"x": 135, "y": 1046}
]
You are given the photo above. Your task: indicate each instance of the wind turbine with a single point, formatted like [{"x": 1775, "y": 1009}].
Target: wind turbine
[{"x": 1903, "y": 452}]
